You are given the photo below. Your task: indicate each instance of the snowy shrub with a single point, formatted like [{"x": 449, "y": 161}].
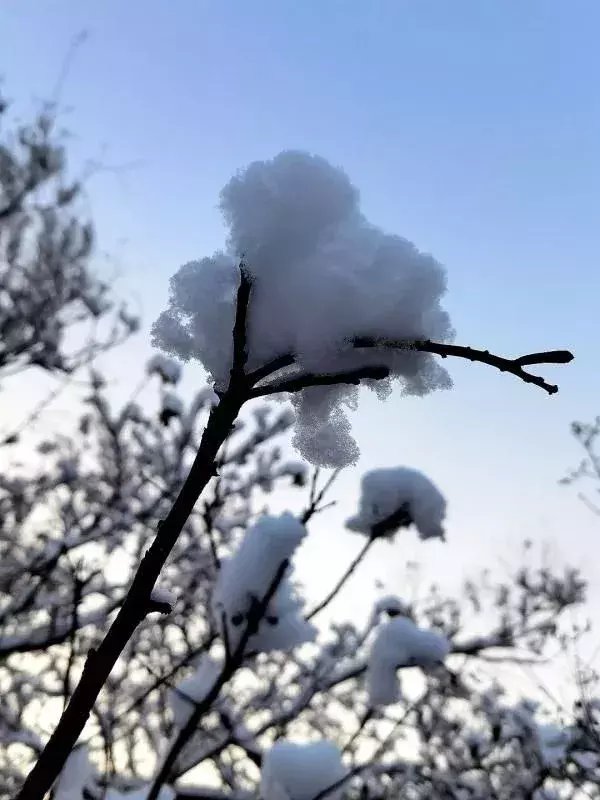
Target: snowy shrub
[
  {"x": 308, "y": 300},
  {"x": 47, "y": 287}
]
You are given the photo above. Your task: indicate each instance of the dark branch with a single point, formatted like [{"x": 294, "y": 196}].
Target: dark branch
[
  {"x": 512, "y": 365},
  {"x": 240, "y": 351},
  {"x": 299, "y": 382}
]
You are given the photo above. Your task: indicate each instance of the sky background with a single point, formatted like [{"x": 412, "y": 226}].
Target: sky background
[{"x": 471, "y": 128}]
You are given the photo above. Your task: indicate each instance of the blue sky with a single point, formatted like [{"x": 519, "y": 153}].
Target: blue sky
[{"x": 471, "y": 128}]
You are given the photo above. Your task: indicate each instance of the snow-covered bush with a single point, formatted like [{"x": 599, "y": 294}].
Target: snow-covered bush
[
  {"x": 308, "y": 300},
  {"x": 47, "y": 287}
]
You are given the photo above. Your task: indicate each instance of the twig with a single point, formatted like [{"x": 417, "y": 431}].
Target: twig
[
  {"x": 333, "y": 593},
  {"x": 512, "y": 365},
  {"x": 305, "y": 381},
  {"x": 229, "y": 667}
]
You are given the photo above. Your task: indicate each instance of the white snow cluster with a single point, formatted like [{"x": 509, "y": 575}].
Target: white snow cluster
[
  {"x": 193, "y": 689},
  {"x": 245, "y": 578},
  {"x": 385, "y": 491},
  {"x": 553, "y": 743},
  {"x": 77, "y": 774},
  {"x": 400, "y": 642},
  {"x": 166, "y": 368},
  {"x": 295, "y": 771},
  {"x": 322, "y": 275}
]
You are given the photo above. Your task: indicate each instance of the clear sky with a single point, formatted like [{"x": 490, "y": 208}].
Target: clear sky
[{"x": 471, "y": 128}]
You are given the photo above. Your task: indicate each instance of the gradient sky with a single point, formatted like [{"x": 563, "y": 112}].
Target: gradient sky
[{"x": 471, "y": 128}]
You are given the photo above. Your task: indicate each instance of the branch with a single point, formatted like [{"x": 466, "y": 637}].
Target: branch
[
  {"x": 512, "y": 365},
  {"x": 240, "y": 352},
  {"x": 100, "y": 663},
  {"x": 299, "y": 382},
  {"x": 333, "y": 593},
  {"x": 229, "y": 668}
]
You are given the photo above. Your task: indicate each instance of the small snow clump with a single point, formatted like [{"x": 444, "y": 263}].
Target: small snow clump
[
  {"x": 295, "y": 771},
  {"x": 400, "y": 643},
  {"x": 385, "y": 492}
]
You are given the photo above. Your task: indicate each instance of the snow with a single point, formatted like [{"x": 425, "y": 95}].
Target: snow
[
  {"x": 297, "y": 771},
  {"x": 76, "y": 775},
  {"x": 172, "y": 404},
  {"x": 166, "y": 368},
  {"x": 248, "y": 574},
  {"x": 586, "y": 759},
  {"x": 165, "y": 793},
  {"x": 391, "y": 605},
  {"x": 553, "y": 743},
  {"x": 385, "y": 491},
  {"x": 322, "y": 275},
  {"x": 160, "y": 594},
  {"x": 400, "y": 642},
  {"x": 193, "y": 689}
]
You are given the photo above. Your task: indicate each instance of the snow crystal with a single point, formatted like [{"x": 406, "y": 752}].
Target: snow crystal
[
  {"x": 398, "y": 643},
  {"x": 385, "y": 491},
  {"x": 294, "y": 771},
  {"x": 193, "y": 689},
  {"x": 322, "y": 276},
  {"x": 76, "y": 775},
  {"x": 166, "y": 368},
  {"x": 245, "y": 578}
]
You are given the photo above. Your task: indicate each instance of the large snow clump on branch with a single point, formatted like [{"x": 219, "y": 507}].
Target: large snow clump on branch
[
  {"x": 384, "y": 492},
  {"x": 245, "y": 578},
  {"x": 293, "y": 771},
  {"x": 400, "y": 643},
  {"x": 322, "y": 275}
]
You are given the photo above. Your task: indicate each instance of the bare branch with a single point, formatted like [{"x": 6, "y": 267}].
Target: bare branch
[
  {"x": 299, "y": 382},
  {"x": 512, "y": 365}
]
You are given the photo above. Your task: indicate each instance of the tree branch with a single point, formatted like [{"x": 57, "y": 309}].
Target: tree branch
[
  {"x": 240, "y": 352},
  {"x": 100, "y": 663},
  {"x": 299, "y": 382},
  {"x": 230, "y": 666},
  {"x": 512, "y": 365}
]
